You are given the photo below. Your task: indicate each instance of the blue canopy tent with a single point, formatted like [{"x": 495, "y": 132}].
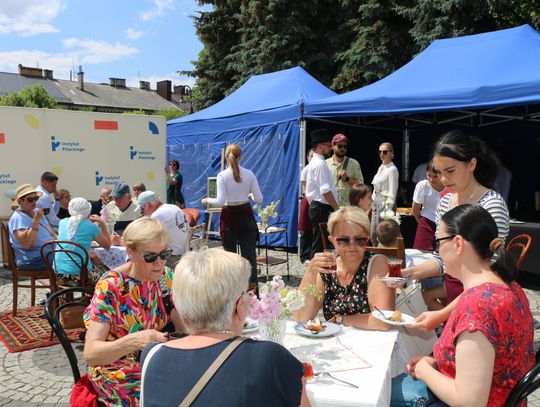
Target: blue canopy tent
[
  {"x": 264, "y": 117},
  {"x": 490, "y": 70}
]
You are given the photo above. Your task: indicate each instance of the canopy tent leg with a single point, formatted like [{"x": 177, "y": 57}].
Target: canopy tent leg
[{"x": 301, "y": 161}]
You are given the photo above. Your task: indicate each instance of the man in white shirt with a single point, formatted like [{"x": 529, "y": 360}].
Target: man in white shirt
[
  {"x": 173, "y": 219},
  {"x": 49, "y": 200},
  {"x": 320, "y": 186},
  {"x": 121, "y": 195},
  {"x": 345, "y": 170}
]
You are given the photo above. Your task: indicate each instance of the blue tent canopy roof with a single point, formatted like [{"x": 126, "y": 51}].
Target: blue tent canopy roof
[{"x": 499, "y": 68}]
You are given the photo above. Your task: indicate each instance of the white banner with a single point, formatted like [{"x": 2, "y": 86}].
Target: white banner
[{"x": 87, "y": 151}]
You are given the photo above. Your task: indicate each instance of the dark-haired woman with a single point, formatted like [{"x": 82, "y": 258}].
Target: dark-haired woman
[
  {"x": 487, "y": 344},
  {"x": 467, "y": 170},
  {"x": 174, "y": 184},
  {"x": 235, "y": 187}
]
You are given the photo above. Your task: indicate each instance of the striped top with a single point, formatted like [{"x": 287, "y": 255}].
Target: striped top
[{"x": 492, "y": 202}]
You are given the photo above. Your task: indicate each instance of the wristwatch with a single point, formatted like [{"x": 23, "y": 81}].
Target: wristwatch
[{"x": 339, "y": 319}]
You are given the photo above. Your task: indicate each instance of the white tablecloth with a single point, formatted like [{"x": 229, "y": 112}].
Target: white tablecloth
[
  {"x": 374, "y": 357},
  {"x": 113, "y": 257}
]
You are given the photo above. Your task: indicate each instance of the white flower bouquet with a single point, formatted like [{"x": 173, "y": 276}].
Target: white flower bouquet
[{"x": 267, "y": 212}]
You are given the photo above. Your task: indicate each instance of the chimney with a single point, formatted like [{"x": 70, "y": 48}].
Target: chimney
[
  {"x": 117, "y": 82},
  {"x": 27, "y": 71},
  {"x": 80, "y": 78},
  {"x": 144, "y": 85},
  {"x": 48, "y": 74},
  {"x": 178, "y": 89},
  {"x": 164, "y": 89}
]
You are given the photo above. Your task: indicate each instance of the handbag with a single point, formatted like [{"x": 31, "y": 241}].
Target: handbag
[
  {"x": 83, "y": 394},
  {"x": 411, "y": 302},
  {"x": 205, "y": 378},
  {"x": 409, "y": 392}
]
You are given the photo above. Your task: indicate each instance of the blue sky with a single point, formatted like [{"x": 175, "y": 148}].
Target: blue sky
[{"x": 132, "y": 39}]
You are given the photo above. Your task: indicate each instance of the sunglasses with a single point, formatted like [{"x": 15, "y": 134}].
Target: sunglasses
[
  {"x": 436, "y": 243},
  {"x": 341, "y": 145},
  {"x": 384, "y": 152},
  {"x": 141, "y": 209},
  {"x": 357, "y": 241},
  {"x": 31, "y": 199},
  {"x": 152, "y": 257}
]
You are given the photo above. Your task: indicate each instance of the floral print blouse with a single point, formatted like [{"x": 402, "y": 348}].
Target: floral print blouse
[
  {"x": 351, "y": 299},
  {"x": 501, "y": 313},
  {"x": 127, "y": 305}
]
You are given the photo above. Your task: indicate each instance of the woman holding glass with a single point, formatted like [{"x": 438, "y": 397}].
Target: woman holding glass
[
  {"x": 385, "y": 186},
  {"x": 349, "y": 280}
]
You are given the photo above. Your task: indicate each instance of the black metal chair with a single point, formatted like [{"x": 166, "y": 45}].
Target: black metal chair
[
  {"x": 57, "y": 306},
  {"x": 525, "y": 387}
]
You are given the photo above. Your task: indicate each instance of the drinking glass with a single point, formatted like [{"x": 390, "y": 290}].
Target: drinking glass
[{"x": 395, "y": 266}]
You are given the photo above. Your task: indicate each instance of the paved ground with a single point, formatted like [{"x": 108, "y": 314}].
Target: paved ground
[{"x": 42, "y": 377}]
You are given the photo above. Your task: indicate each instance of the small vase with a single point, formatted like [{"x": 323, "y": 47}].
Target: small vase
[
  {"x": 273, "y": 331},
  {"x": 110, "y": 227}
]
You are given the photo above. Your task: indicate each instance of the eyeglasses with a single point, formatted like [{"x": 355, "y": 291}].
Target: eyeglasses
[
  {"x": 141, "y": 209},
  {"x": 31, "y": 198},
  {"x": 436, "y": 243},
  {"x": 152, "y": 257},
  {"x": 341, "y": 145},
  {"x": 357, "y": 241},
  {"x": 384, "y": 152}
]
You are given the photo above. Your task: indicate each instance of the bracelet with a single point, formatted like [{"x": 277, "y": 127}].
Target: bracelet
[{"x": 36, "y": 229}]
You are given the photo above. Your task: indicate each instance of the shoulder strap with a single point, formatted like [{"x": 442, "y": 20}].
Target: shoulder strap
[
  {"x": 205, "y": 378},
  {"x": 144, "y": 367},
  {"x": 345, "y": 163}
]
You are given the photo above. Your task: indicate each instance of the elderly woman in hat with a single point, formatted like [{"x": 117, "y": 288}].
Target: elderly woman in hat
[
  {"x": 29, "y": 229},
  {"x": 82, "y": 228}
]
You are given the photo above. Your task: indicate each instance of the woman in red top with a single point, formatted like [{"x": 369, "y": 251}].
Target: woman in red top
[{"x": 487, "y": 344}]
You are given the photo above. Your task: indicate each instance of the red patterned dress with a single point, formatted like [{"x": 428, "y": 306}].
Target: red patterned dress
[{"x": 501, "y": 312}]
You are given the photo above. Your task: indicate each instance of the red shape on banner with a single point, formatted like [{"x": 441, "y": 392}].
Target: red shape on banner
[
  {"x": 2, "y": 138},
  {"x": 105, "y": 125}
]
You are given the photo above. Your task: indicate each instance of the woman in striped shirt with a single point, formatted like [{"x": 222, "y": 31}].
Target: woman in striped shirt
[{"x": 468, "y": 171}]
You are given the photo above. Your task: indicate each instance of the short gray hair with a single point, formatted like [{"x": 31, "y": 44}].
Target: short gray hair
[
  {"x": 206, "y": 285},
  {"x": 349, "y": 214}
]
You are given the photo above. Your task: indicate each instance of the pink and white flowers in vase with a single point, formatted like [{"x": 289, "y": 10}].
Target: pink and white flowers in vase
[
  {"x": 276, "y": 304},
  {"x": 110, "y": 213}
]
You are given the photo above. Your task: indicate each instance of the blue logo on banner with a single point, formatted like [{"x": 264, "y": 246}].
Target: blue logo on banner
[
  {"x": 132, "y": 153},
  {"x": 108, "y": 180},
  {"x": 98, "y": 178},
  {"x": 54, "y": 143}
]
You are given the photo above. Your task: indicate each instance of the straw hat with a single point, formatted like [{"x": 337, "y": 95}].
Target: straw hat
[{"x": 26, "y": 189}]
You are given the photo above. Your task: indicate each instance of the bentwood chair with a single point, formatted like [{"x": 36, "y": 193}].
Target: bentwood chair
[
  {"x": 398, "y": 251},
  {"x": 525, "y": 387},
  {"x": 197, "y": 237},
  {"x": 518, "y": 247},
  {"x": 323, "y": 230},
  {"x": 68, "y": 315},
  {"x": 18, "y": 274}
]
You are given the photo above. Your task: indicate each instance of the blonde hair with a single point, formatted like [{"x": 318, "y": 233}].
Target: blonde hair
[
  {"x": 233, "y": 154},
  {"x": 389, "y": 145},
  {"x": 139, "y": 187},
  {"x": 206, "y": 285},
  {"x": 351, "y": 215},
  {"x": 145, "y": 230}
]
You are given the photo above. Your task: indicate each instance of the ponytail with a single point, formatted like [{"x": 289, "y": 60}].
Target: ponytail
[
  {"x": 233, "y": 154},
  {"x": 505, "y": 265}
]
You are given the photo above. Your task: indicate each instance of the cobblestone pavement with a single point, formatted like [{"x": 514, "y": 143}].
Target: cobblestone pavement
[{"x": 42, "y": 377}]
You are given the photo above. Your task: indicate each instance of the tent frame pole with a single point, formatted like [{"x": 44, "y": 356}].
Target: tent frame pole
[{"x": 301, "y": 160}]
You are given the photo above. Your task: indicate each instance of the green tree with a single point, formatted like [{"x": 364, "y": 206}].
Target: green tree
[
  {"x": 170, "y": 114},
  {"x": 30, "y": 96},
  {"x": 378, "y": 43}
]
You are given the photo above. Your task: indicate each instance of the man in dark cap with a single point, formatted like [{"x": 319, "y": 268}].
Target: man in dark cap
[
  {"x": 121, "y": 195},
  {"x": 345, "y": 170},
  {"x": 320, "y": 186}
]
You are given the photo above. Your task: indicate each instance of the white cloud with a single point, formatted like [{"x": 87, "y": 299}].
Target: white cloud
[
  {"x": 79, "y": 51},
  {"x": 153, "y": 79},
  {"x": 133, "y": 34},
  {"x": 159, "y": 9},
  {"x": 29, "y": 17}
]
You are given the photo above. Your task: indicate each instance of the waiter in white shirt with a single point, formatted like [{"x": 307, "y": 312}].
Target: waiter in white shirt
[{"x": 320, "y": 186}]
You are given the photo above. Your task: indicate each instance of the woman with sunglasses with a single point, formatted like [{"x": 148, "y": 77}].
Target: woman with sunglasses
[
  {"x": 130, "y": 306},
  {"x": 487, "y": 343},
  {"x": 211, "y": 292},
  {"x": 467, "y": 170},
  {"x": 385, "y": 186},
  {"x": 349, "y": 280},
  {"x": 29, "y": 229}
]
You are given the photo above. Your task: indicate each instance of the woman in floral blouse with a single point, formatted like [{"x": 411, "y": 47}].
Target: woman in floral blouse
[
  {"x": 127, "y": 312},
  {"x": 353, "y": 284},
  {"x": 487, "y": 343}
]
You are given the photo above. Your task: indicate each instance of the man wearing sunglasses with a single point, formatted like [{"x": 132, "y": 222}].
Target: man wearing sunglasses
[
  {"x": 49, "y": 200},
  {"x": 320, "y": 186},
  {"x": 345, "y": 170},
  {"x": 172, "y": 217}
]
